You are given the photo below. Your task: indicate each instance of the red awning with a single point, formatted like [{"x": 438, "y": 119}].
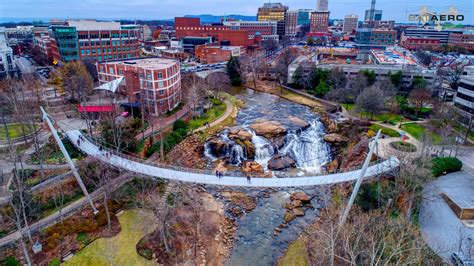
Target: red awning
[{"x": 96, "y": 108}]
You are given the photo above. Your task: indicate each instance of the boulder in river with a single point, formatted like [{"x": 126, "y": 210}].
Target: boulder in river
[
  {"x": 335, "y": 139},
  {"x": 217, "y": 146},
  {"x": 300, "y": 195},
  {"x": 298, "y": 122},
  {"x": 247, "y": 146},
  {"x": 269, "y": 129},
  {"x": 240, "y": 134},
  {"x": 280, "y": 162},
  {"x": 252, "y": 167}
]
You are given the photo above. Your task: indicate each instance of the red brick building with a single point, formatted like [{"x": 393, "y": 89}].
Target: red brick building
[
  {"x": 191, "y": 27},
  {"x": 416, "y": 43},
  {"x": 154, "y": 81},
  {"x": 319, "y": 21},
  {"x": 211, "y": 54},
  {"x": 465, "y": 39}
]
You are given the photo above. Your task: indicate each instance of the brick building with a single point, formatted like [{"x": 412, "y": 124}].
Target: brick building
[
  {"x": 42, "y": 42},
  {"x": 80, "y": 39},
  {"x": 465, "y": 40},
  {"x": 417, "y": 43},
  {"x": 154, "y": 81},
  {"x": 351, "y": 22},
  {"x": 223, "y": 35},
  {"x": 319, "y": 21},
  {"x": 291, "y": 23},
  {"x": 267, "y": 29},
  {"x": 211, "y": 54}
]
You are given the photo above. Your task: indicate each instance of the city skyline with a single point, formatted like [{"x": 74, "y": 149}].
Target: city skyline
[{"x": 167, "y": 9}]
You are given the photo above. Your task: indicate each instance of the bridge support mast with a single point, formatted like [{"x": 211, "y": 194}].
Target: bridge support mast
[
  {"x": 68, "y": 159},
  {"x": 372, "y": 146}
]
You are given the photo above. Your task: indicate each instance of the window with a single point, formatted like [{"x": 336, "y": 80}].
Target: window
[
  {"x": 160, "y": 84},
  {"x": 111, "y": 70},
  {"x": 160, "y": 75},
  {"x": 162, "y": 92},
  {"x": 83, "y": 52},
  {"x": 120, "y": 72},
  {"x": 148, "y": 76}
]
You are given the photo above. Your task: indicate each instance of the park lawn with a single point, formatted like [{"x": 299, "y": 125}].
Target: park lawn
[
  {"x": 216, "y": 111},
  {"x": 14, "y": 131},
  {"x": 120, "y": 248},
  {"x": 296, "y": 255},
  {"x": 385, "y": 130},
  {"x": 418, "y": 131}
]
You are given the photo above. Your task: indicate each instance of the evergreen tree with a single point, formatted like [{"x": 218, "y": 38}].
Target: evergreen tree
[
  {"x": 321, "y": 89},
  {"x": 233, "y": 70}
]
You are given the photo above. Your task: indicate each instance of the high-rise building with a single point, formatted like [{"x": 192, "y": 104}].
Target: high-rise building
[
  {"x": 304, "y": 17},
  {"x": 7, "y": 65},
  {"x": 375, "y": 15},
  {"x": 273, "y": 12},
  {"x": 350, "y": 23},
  {"x": 366, "y": 37},
  {"x": 291, "y": 22},
  {"x": 322, "y": 5},
  {"x": 319, "y": 21},
  {"x": 80, "y": 39},
  {"x": 464, "y": 99},
  {"x": 156, "y": 81}
]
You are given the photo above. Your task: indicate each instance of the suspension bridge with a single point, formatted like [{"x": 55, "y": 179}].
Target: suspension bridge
[{"x": 208, "y": 177}]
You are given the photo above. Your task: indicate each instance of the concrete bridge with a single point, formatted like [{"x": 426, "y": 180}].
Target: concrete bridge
[{"x": 175, "y": 173}]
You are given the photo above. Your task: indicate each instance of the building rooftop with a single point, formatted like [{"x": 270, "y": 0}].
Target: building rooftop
[
  {"x": 152, "y": 63},
  {"x": 85, "y": 24},
  {"x": 394, "y": 56}
]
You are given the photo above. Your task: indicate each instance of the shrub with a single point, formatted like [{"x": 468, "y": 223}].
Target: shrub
[
  {"x": 446, "y": 165},
  {"x": 55, "y": 262},
  {"x": 11, "y": 261},
  {"x": 385, "y": 131},
  {"x": 180, "y": 124},
  {"x": 370, "y": 133}
]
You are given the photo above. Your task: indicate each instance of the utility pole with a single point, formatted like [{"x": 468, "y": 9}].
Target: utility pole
[
  {"x": 68, "y": 158},
  {"x": 372, "y": 146}
]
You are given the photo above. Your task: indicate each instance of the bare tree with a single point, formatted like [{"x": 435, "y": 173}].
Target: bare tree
[
  {"x": 371, "y": 101},
  {"x": 419, "y": 97},
  {"x": 76, "y": 79},
  {"x": 217, "y": 83},
  {"x": 194, "y": 90},
  {"x": 252, "y": 66}
]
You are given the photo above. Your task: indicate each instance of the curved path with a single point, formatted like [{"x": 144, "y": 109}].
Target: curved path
[
  {"x": 207, "y": 177},
  {"x": 228, "y": 111}
]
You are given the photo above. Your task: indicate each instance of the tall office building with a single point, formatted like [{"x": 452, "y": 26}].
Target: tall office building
[
  {"x": 273, "y": 12},
  {"x": 291, "y": 22},
  {"x": 319, "y": 21},
  {"x": 304, "y": 16},
  {"x": 322, "y": 5},
  {"x": 377, "y": 15},
  {"x": 80, "y": 39},
  {"x": 350, "y": 23}
]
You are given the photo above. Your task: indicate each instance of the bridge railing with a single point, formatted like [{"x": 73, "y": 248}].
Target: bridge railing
[{"x": 133, "y": 158}]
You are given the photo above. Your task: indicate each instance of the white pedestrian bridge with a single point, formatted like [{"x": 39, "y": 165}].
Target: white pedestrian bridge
[{"x": 230, "y": 179}]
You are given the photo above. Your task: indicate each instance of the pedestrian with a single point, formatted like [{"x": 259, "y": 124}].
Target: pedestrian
[
  {"x": 248, "y": 178},
  {"x": 78, "y": 142},
  {"x": 100, "y": 148},
  {"x": 221, "y": 174},
  {"x": 217, "y": 174}
]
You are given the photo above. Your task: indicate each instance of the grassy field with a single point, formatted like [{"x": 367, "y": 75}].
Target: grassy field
[
  {"x": 296, "y": 255},
  {"x": 418, "y": 131},
  {"x": 212, "y": 114},
  {"x": 120, "y": 249},
  {"x": 15, "y": 131}
]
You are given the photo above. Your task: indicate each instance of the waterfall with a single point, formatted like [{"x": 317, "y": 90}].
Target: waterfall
[
  {"x": 236, "y": 154},
  {"x": 308, "y": 148},
  {"x": 208, "y": 152},
  {"x": 263, "y": 150}
]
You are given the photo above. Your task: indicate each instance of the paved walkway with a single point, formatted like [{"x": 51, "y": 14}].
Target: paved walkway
[
  {"x": 207, "y": 177},
  {"x": 228, "y": 111},
  {"x": 440, "y": 227}
]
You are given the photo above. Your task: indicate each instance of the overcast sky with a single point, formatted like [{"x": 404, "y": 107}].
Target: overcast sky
[{"x": 165, "y": 9}]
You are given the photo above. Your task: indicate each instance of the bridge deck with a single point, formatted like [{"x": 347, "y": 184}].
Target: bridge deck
[{"x": 206, "y": 177}]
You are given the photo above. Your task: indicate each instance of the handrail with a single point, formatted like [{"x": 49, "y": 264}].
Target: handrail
[{"x": 323, "y": 172}]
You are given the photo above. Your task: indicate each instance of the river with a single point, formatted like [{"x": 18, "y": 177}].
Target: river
[{"x": 304, "y": 145}]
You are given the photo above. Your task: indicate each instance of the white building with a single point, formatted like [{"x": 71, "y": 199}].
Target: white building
[
  {"x": 6, "y": 55},
  {"x": 464, "y": 99},
  {"x": 350, "y": 23}
]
